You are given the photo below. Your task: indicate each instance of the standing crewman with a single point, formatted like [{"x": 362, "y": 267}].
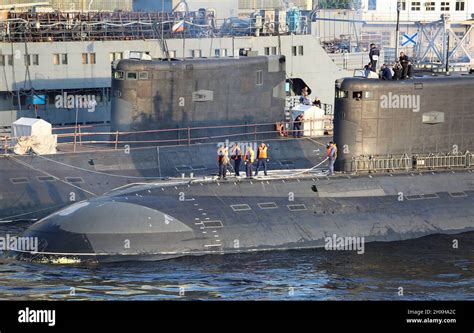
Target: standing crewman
[
  {"x": 374, "y": 55},
  {"x": 332, "y": 155},
  {"x": 236, "y": 155},
  {"x": 249, "y": 158},
  {"x": 297, "y": 126},
  {"x": 262, "y": 158},
  {"x": 223, "y": 160}
]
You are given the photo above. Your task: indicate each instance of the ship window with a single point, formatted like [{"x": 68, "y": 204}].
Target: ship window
[
  {"x": 85, "y": 58},
  {"x": 10, "y": 60},
  {"x": 143, "y": 75},
  {"x": 300, "y": 50},
  {"x": 2, "y": 60},
  {"x": 357, "y": 95},
  {"x": 341, "y": 93},
  {"x": 172, "y": 53},
  {"x": 119, "y": 75},
  {"x": 267, "y": 51},
  {"x": 56, "y": 59},
  {"x": 64, "y": 59},
  {"x": 294, "y": 50},
  {"x": 92, "y": 58},
  {"x": 274, "y": 50},
  {"x": 259, "y": 79},
  {"x": 131, "y": 75},
  {"x": 368, "y": 94}
]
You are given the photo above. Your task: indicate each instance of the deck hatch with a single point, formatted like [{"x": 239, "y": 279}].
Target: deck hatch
[
  {"x": 74, "y": 179},
  {"x": 430, "y": 196},
  {"x": 242, "y": 207},
  {"x": 413, "y": 197},
  {"x": 46, "y": 179},
  {"x": 458, "y": 194},
  {"x": 267, "y": 205},
  {"x": 212, "y": 224},
  {"x": 20, "y": 180},
  {"x": 296, "y": 207}
]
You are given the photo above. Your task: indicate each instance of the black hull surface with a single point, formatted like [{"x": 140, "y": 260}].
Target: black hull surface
[{"x": 157, "y": 222}]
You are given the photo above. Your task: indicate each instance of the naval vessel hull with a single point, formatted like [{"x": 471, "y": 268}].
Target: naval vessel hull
[
  {"x": 34, "y": 186},
  {"x": 160, "y": 221}
]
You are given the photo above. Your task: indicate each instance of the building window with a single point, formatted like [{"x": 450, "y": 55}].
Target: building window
[
  {"x": 460, "y": 6},
  {"x": 10, "y": 60},
  {"x": 64, "y": 59},
  {"x": 445, "y": 6},
  {"x": 430, "y": 6},
  {"x": 259, "y": 79},
  {"x": 172, "y": 54},
  {"x": 115, "y": 56},
  {"x": 403, "y": 5},
  {"x": 56, "y": 59},
  {"x": 196, "y": 53},
  {"x": 2, "y": 60},
  {"x": 32, "y": 59},
  {"x": 294, "y": 51},
  {"x": 266, "y": 51},
  {"x": 372, "y": 4},
  {"x": 92, "y": 58},
  {"x": 221, "y": 53},
  {"x": 300, "y": 50},
  {"x": 85, "y": 58},
  {"x": 415, "y": 6}
]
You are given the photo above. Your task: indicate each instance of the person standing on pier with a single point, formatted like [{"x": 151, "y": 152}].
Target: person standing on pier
[
  {"x": 236, "y": 155},
  {"x": 262, "y": 158},
  {"x": 249, "y": 158},
  {"x": 374, "y": 55},
  {"x": 332, "y": 156}
]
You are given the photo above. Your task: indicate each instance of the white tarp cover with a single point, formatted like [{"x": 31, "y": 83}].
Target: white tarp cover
[
  {"x": 39, "y": 144},
  {"x": 31, "y": 126},
  {"x": 314, "y": 119},
  {"x": 35, "y": 135}
]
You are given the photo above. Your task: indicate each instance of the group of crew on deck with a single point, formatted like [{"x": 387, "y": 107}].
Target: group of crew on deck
[
  {"x": 236, "y": 155},
  {"x": 402, "y": 69},
  {"x": 262, "y": 159}
]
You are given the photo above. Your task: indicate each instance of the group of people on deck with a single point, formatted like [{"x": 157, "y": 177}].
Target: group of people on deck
[
  {"x": 237, "y": 156},
  {"x": 402, "y": 69}
]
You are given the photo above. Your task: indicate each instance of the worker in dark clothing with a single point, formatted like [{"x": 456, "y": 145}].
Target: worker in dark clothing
[
  {"x": 236, "y": 155},
  {"x": 317, "y": 102},
  {"x": 398, "y": 71},
  {"x": 262, "y": 156},
  {"x": 297, "y": 126},
  {"x": 406, "y": 65},
  {"x": 386, "y": 73},
  {"x": 223, "y": 160},
  {"x": 374, "y": 55},
  {"x": 249, "y": 158}
]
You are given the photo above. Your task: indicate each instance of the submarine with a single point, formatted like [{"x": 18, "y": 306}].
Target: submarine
[{"x": 384, "y": 190}]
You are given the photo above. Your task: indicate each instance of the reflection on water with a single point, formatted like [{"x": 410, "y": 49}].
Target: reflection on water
[{"x": 427, "y": 268}]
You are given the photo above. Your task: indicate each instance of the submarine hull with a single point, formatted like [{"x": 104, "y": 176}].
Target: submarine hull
[{"x": 153, "y": 222}]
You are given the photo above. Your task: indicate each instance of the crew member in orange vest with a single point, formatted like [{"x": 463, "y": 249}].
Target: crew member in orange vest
[{"x": 262, "y": 158}]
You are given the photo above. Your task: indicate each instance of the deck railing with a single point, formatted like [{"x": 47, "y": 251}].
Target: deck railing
[{"x": 178, "y": 136}]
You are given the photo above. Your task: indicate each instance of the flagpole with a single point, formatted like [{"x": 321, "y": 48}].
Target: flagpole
[{"x": 397, "y": 38}]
